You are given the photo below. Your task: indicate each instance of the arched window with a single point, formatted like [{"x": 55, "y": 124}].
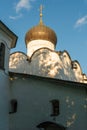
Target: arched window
[{"x": 2, "y": 55}]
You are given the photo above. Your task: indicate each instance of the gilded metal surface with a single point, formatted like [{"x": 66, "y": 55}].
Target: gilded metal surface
[{"x": 41, "y": 32}]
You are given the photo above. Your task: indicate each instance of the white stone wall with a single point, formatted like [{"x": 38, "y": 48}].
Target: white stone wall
[
  {"x": 6, "y": 38},
  {"x": 47, "y": 63},
  {"x": 4, "y": 101},
  {"x": 37, "y": 44},
  {"x": 34, "y": 107},
  {"x": 7, "y": 42}
]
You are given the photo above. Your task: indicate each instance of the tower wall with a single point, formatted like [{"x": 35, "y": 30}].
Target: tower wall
[
  {"x": 4, "y": 84},
  {"x": 37, "y": 44},
  {"x": 7, "y": 41}
]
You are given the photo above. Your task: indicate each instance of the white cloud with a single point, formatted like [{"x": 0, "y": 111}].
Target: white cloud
[
  {"x": 81, "y": 21},
  {"x": 15, "y": 17},
  {"x": 23, "y": 4}
]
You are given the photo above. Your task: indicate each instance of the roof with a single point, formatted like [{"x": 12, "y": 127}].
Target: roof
[
  {"x": 41, "y": 32},
  {"x": 53, "y": 80},
  {"x": 13, "y": 36}
]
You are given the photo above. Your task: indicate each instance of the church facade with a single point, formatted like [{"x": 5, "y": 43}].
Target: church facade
[{"x": 43, "y": 89}]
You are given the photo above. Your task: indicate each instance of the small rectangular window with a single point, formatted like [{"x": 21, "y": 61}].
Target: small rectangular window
[
  {"x": 2, "y": 55},
  {"x": 13, "y": 106}
]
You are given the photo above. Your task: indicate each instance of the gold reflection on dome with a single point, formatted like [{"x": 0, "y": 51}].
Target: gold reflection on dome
[{"x": 41, "y": 32}]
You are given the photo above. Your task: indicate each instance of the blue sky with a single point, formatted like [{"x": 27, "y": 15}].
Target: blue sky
[{"x": 68, "y": 18}]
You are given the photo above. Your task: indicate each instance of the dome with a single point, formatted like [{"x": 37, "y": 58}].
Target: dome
[{"x": 41, "y": 32}]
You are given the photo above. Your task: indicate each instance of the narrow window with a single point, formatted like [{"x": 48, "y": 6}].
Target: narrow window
[
  {"x": 55, "y": 107},
  {"x": 2, "y": 55},
  {"x": 13, "y": 106}
]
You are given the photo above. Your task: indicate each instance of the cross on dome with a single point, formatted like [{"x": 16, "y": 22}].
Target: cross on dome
[
  {"x": 41, "y": 14},
  {"x": 41, "y": 32}
]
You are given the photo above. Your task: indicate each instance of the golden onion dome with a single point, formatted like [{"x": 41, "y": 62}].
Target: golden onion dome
[{"x": 41, "y": 32}]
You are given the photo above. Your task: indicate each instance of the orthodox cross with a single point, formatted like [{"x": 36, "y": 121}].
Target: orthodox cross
[{"x": 41, "y": 14}]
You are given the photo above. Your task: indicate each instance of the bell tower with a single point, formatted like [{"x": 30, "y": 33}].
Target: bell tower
[{"x": 7, "y": 41}]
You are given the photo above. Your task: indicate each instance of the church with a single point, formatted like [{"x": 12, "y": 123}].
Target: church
[{"x": 43, "y": 89}]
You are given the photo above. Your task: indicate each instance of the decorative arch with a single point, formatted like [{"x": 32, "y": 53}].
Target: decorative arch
[{"x": 41, "y": 50}]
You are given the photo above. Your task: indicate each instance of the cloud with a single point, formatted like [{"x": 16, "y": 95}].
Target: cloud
[
  {"x": 15, "y": 17},
  {"x": 81, "y": 21},
  {"x": 23, "y": 4}
]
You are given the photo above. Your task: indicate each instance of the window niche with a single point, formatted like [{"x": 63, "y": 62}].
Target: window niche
[
  {"x": 13, "y": 106},
  {"x": 2, "y": 55},
  {"x": 55, "y": 107}
]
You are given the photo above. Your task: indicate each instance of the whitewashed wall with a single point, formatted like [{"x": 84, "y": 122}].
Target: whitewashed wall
[
  {"x": 7, "y": 41},
  {"x": 4, "y": 101},
  {"x": 33, "y": 96},
  {"x": 34, "y": 45},
  {"x": 4, "y": 81},
  {"x": 47, "y": 63}
]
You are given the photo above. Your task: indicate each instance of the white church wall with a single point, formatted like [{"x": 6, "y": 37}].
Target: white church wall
[
  {"x": 5, "y": 38},
  {"x": 37, "y": 44},
  {"x": 34, "y": 95},
  {"x": 4, "y": 80},
  {"x": 18, "y": 62},
  {"x": 7, "y": 54},
  {"x": 45, "y": 62},
  {"x": 4, "y": 101},
  {"x": 6, "y": 41}
]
